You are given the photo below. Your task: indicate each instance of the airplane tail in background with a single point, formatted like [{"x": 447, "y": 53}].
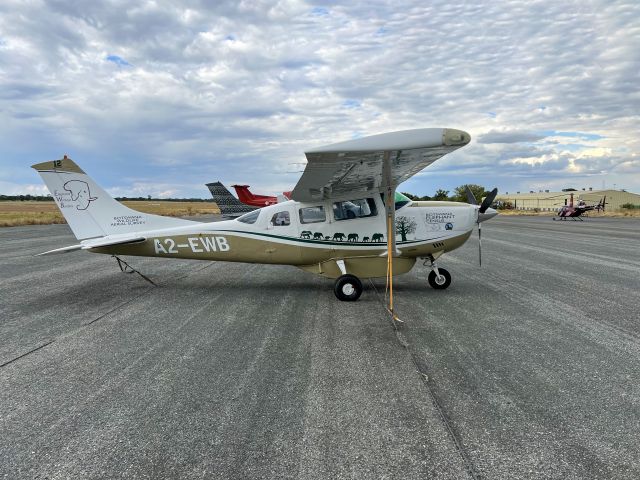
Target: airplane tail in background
[
  {"x": 248, "y": 198},
  {"x": 244, "y": 195},
  {"x": 229, "y": 205},
  {"x": 89, "y": 210}
]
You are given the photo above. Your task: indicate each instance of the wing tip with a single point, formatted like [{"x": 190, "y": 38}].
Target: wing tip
[{"x": 453, "y": 137}]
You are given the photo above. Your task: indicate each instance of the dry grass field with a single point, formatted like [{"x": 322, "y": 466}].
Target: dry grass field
[{"x": 14, "y": 213}]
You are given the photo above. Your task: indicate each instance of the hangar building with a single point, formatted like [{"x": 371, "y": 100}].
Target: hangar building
[{"x": 551, "y": 201}]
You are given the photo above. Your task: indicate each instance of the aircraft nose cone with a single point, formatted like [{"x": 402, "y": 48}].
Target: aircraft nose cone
[{"x": 487, "y": 215}]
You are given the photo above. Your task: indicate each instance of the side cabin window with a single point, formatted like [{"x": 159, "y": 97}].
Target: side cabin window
[
  {"x": 312, "y": 214},
  {"x": 281, "y": 219},
  {"x": 250, "y": 217},
  {"x": 362, "y": 207}
]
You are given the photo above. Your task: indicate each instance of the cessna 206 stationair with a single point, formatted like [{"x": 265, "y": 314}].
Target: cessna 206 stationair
[{"x": 344, "y": 219}]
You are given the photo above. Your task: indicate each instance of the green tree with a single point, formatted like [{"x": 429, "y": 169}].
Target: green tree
[
  {"x": 461, "y": 194},
  {"x": 405, "y": 226},
  {"x": 441, "y": 195}
]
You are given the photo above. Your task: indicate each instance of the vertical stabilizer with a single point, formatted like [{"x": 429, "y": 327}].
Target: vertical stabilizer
[
  {"x": 228, "y": 204},
  {"x": 244, "y": 195},
  {"x": 89, "y": 210}
]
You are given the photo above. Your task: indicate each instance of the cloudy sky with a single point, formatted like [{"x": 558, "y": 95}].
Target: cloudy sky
[{"x": 163, "y": 96}]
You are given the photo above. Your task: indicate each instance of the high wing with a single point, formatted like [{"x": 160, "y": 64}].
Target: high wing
[{"x": 358, "y": 165}]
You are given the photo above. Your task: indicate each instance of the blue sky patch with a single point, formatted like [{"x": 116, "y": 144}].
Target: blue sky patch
[
  {"x": 121, "y": 62},
  {"x": 582, "y": 135},
  {"x": 320, "y": 12},
  {"x": 350, "y": 103}
]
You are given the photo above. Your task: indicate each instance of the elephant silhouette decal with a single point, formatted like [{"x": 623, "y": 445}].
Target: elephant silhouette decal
[
  {"x": 318, "y": 236},
  {"x": 377, "y": 237},
  {"x": 338, "y": 237},
  {"x": 352, "y": 237},
  {"x": 305, "y": 234},
  {"x": 80, "y": 193}
]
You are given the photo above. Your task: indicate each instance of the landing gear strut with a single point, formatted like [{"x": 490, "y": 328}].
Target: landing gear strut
[
  {"x": 439, "y": 278},
  {"x": 348, "y": 288}
]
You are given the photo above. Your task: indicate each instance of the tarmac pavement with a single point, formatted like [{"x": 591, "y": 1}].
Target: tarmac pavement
[{"x": 525, "y": 368}]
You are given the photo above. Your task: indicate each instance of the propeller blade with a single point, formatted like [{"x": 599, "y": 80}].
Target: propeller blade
[
  {"x": 488, "y": 200},
  {"x": 471, "y": 198},
  {"x": 480, "y": 243}
]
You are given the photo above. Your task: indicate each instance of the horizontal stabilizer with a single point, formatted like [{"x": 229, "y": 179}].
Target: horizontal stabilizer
[
  {"x": 94, "y": 243},
  {"x": 71, "y": 248}
]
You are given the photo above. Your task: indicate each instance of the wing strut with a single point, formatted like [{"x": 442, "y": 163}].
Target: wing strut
[{"x": 390, "y": 210}]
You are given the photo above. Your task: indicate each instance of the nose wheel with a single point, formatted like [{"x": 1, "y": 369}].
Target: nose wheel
[
  {"x": 348, "y": 288},
  {"x": 439, "y": 278}
]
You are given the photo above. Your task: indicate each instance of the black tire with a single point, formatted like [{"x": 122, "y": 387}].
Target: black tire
[
  {"x": 348, "y": 288},
  {"x": 439, "y": 283}
]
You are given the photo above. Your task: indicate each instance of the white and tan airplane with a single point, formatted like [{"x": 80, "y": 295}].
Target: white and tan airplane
[{"x": 345, "y": 220}]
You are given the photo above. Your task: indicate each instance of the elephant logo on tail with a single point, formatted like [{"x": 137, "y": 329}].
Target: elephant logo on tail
[{"x": 80, "y": 193}]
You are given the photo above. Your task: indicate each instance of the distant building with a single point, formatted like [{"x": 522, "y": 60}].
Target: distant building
[{"x": 552, "y": 201}]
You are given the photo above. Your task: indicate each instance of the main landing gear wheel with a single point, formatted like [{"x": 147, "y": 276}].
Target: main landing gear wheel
[
  {"x": 439, "y": 282},
  {"x": 348, "y": 288}
]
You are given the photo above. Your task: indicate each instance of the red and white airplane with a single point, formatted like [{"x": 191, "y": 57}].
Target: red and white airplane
[{"x": 248, "y": 198}]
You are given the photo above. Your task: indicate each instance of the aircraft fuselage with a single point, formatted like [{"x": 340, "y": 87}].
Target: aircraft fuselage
[{"x": 313, "y": 235}]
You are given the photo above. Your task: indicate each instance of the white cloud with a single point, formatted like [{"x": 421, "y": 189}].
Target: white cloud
[{"x": 195, "y": 92}]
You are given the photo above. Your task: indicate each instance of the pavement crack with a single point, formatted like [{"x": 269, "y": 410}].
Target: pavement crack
[
  {"x": 100, "y": 317},
  {"x": 421, "y": 368},
  {"x": 142, "y": 294},
  {"x": 25, "y": 354}
]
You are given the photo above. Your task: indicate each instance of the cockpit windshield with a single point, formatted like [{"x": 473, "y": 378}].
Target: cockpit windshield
[
  {"x": 250, "y": 217},
  {"x": 400, "y": 200}
]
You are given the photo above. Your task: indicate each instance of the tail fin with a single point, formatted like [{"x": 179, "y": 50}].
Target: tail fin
[
  {"x": 229, "y": 205},
  {"x": 244, "y": 195},
  {"x": 89, "y": 210},
  {"x": 249, "y": 198}
]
